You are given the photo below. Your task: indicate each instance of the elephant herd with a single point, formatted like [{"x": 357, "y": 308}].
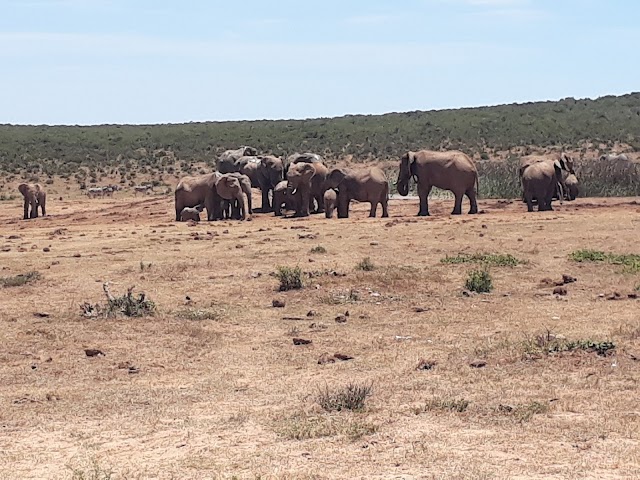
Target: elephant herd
[{"x": 305, "y": 185}]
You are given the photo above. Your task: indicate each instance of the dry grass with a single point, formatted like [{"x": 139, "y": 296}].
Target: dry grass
[{"x": 211, "y": 386}]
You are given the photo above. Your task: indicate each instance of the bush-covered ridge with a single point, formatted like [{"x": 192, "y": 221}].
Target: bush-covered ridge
[{"x": 566, "y": 122}]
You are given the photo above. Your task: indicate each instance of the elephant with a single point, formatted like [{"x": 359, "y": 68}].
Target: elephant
[
  {"x": 231, "y": 209},
  {"x": 192, "y": 191},
  {"x": 452, "y": 170},
  {"x": 265, "y": 172},
  {"x": 191, "y": 213},
  {"x": 330, "y": 199},
  {"x": 531, "y": 159},
  {"x": 34, "y": 197},
  {"x": 307, "y": 183},
  {"x": 306, "y": 157},
  {"x": 282, "y": 197},
  {"x": 230, "y": 187},
  {"x": 571, "y": 187},
  {"x": 228, "y": 159},
  {"x": 540, "y": 180},
  {"x": 363, "y": 185}
]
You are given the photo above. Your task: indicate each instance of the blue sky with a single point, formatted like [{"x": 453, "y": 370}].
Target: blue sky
[{"x": 160, "y": 61}]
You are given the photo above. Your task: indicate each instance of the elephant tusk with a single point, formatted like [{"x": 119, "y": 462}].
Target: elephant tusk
[{"x": 293, "y": 192}]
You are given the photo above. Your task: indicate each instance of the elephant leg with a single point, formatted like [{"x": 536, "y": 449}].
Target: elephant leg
[
  {"x": 372, "y": 210},
  {"x": 34, "y": 210},
  {"x": 26, "y": 210},
  {"x": 266, "y": 206},
  {"x": 320, "y": 203},
  {"x": 471, "y": 194},
  {"x": 457, "y": 207},
  {"x": 385, "y": 208},
  {"x": 303, "y": 203},
  {"x": 423, "y": 193},
  {"x": 529, "y": 201}
]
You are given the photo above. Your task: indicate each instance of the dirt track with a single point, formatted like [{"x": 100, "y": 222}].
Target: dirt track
[{"x": 232, "y": 395}]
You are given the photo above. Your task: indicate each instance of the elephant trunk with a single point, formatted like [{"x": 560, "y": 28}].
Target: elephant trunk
[{"x": 403, "y": 187}]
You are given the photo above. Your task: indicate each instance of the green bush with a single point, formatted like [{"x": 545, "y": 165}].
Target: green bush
[
  {"x": 489, "y": 259},
  {"x": 479, "y": 281},
  {"x": 290, "y": 278}
]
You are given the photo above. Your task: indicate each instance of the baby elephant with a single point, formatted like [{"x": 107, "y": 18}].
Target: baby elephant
[
  {"x": 191, "y": 213},
  {"x": 330, "y": 200},
  {"x": 282, "y": 198}
]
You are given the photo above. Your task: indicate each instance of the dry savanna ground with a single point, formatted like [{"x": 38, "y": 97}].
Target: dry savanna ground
[{"x": 498, "y": 385}]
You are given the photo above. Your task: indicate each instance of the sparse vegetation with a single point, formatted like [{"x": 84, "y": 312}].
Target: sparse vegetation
[
  {"x": 20, "y": 279},
  {"x": 488, "y": 259},
  {"x": 479, "y": 281},
  {"x": 306, "y": 427},
  {"x": 630, "y": 261},
  {"x": 90, "y": 470},
  {"x": 350, "y": 397},
  {"x": 525, "y": 412},
  {"x": 548, "y": 343},
  {"x": 197, "y": 314},
  {"x": 319, "y": 249},
  {"x": 444, "y": 404},
  {"x": 366, "y": 265},
  {"x": 290, "y": 278}
]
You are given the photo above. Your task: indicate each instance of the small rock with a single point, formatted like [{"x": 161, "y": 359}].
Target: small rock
[
  {"x": 481, "y": 235},
  {"x": 311, "y": 313},
  {"x": 419, "y": 309},
  {"x": 278, "y": 303},
  {"x": 614, "y": 296},
  {"x": 568, "y": 278},
  {"x": 341, "y": 319},
  {"x": 239, "y": 246},
  {"x": 521, "y": 240},
  {"x": 256, "y": 274},
  {"x": 478, "y": 363},
  {"x": 46, "y": 249},
  {"x": 560, "y": 290},
  {"x": 311, "y": 260},
  {"x": 225, "y": 231},
  {"x": 346, "y": 314},
  {"x": 632, "y": 296},
  {"x": 326, "y": 358},
  {"x": 42, "y": 314},
  {"x": 373, "y": 244},
  {"x": 93, "y": 352},
  {"x": 76, "y": 255},
  {"x": 133, "y": 369},
  {"x": 425, "y": 364},
  {"x": 484, "y": 226},
  {"x": 342, "y": 357},
  {"x": 301, "y": 341}
]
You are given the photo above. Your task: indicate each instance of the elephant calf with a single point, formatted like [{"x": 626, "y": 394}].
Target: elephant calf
[
  {"x": 330, "y": 202},
  {"x": 282, "y": 198},
  {"x": 191, "y": 213},
  {"x": 571, "y": 187}
]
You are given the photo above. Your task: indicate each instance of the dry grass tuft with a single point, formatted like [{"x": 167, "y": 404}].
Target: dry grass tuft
[
  {"x": 350, "y": 397},
  {"x": 290, "y": 278},
  {"x": 19, "y": 280}
]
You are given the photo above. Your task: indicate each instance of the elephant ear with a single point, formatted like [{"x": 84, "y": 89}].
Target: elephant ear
[
  {"x": 308, "y": 169},
  {"x": 22, "y": 188},
  {"x": 560, "y": 164},
  {"x": 335, "y": 178}
]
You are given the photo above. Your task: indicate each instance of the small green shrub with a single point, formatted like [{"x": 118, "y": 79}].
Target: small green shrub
[
  {"x": 319, "y": 249},
  {"x": 490, "y": 259},
  {"x": 350, "y": 397},
  {"x": 366, "y": 265},
  {"x": 479, "y": 281},
  {"x": 19, "y": 280},
  {"x": 290, "y": 278},
  {"x": 548, "y": 343},
  {"x": 630, "y": 261}
]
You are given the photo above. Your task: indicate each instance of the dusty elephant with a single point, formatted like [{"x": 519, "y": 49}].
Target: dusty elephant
[
  {"x": 228, "y": 159},
  {"x": 34, "y": 197},
  {"x": 531, "y": 159},
  {"x": 362, "y": 185},
  {"x": 330, "y": 199},
  {"x": 571, "y": 186},
  {"x": 265, "y": 172},
  {"x": 192, "y": 191},
  {"x": 540, "y": 180},
  {"x": 245, "y": 184},
  {"x": 191, "y": 213},
  {"x": 452, "y": 170},
  {"x": 282, "y": 198},
  {"x": 307, "y": 183},
  {"x": 230, "y": 187}
]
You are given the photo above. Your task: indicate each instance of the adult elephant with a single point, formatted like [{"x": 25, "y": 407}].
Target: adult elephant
[
  {"x": 452, "y": 170},
  {"x": 245, "y": 185},
  {"x": 228, "y": 159},
  {"x": 531, "y": 159},
  {"x": 229, "y": 188},
  {"x": 540, "y": 180},
  {"x": 306, "y": 157},
  {"x": 193, "y": 191},
  {"x": 34, "y": 197},
  {"x": 307, "y": 183},
  {"x": 265, "y": 172},
  {"x": 362, "y": 185}
]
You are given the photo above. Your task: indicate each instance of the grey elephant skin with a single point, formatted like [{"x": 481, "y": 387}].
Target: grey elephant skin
[
  {"x": 307, "y": 184},
  {"x": 228, "y": 159},
  {"x": 232, "y": 208},
  {"x": 330, "y": 198},
  {"x": 282, "y": 198},
  {"x": 540, "y": 180},
  {"x": 191, "y": 213},
  {"x": 265, "y": 172},
  {"x": 193, "y": 191},
  {"x": 230, "y": 188},
  {"x": 572, "y": 186},
  {"x": 452, "y": 170},
  {"x": 34, "y": 197},
  {"x": 362, "y": 185}
]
